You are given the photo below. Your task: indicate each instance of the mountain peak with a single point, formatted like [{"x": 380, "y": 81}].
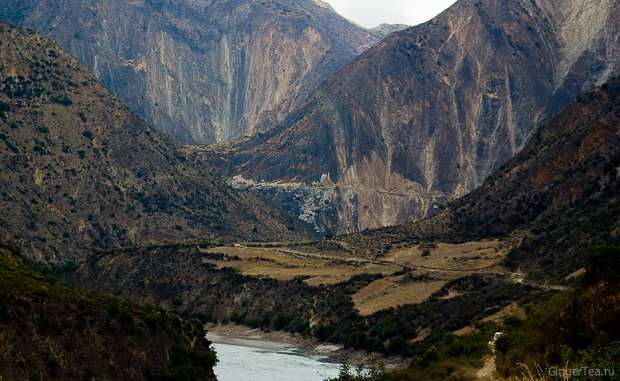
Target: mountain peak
[
  {"x": 427, "y": 114},
  {"x": 384, "y": 29}
]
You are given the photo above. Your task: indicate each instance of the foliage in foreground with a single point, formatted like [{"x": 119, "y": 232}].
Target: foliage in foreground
[{"x": 64, "y": 333}]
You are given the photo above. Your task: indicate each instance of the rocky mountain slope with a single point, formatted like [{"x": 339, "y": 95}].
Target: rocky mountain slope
[
  {"x": 560, "y": 194},
  {"x": 52, "y": 331},
  {"x": 549, "y": 206},
  {"x": 383, "y": 30},
  {"x": 80, "y": 171},
  {"x": 203, "y": 71},
  {"x": 428, "y": 113}
]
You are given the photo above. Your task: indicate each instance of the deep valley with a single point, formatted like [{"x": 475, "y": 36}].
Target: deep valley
[{"x": 442, "y": 198}]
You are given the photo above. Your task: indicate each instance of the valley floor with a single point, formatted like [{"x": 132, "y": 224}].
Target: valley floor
[{"x": 409, "y": 274}]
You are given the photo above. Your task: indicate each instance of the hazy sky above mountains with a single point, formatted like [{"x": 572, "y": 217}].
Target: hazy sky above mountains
[{"x": 370, "y": 13}]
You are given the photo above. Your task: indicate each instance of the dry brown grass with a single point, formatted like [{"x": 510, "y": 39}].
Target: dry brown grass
[
  {"x": 285, "y": 264},
  {"x": 468, "y": 256},
  {"x": 392, "y": 292}
]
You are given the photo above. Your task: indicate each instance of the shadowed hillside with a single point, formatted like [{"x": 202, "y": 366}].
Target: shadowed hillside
[
  {"x": 79, "y": 171},
  {"x": 52, "y": 331}
]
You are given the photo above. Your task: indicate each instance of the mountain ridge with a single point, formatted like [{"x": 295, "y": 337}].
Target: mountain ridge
[
  {"x": 80, "y": 172},
  {"x": 425, "y": 115},
  {"x": 560, "y": 194},
  {"x": 202, "y": 71}
]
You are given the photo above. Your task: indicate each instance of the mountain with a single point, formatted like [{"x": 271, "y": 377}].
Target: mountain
[
  {"x": 202, "y": 71},
  {"x": 80, "y": 172},
  {"x": 384, "y": 29},
  {"x": 559, "y": 195},
  {"x": 524, "y": 235},
  {"x": 52, "y": 331},
  {"x": 428, "y": 113}
]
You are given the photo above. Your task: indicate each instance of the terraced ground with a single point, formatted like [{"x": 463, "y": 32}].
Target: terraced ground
[{"x": 409, "y": 274}]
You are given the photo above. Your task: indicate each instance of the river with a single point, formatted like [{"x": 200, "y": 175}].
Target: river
[{"x": 257, "y": 360}]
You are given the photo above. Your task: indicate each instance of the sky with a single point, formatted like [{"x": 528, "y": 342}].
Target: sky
[{"x": 370, "y": 13}]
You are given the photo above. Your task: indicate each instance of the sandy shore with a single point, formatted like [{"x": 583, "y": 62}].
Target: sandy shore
[{"x": 254, "y": 337}]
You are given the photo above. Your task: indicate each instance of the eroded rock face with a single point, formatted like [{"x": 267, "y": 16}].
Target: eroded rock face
[
  {"x": 202, "y": 70},
  {"x": 558, "y": 196},
  {"x": 428, "y": 113}
]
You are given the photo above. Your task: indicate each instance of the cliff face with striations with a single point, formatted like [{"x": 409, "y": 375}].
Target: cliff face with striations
[
  {"x": 203, "y": 71},
  {"x": 79, "y": 171},
  {"x": 560, "y": 194},
  {"x": 428, "y": 113}
]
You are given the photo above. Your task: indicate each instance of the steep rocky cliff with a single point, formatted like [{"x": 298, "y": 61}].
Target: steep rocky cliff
[
  {"x": 560, "y": 194},
  {"x": 428, "y": 113},
  {"x": 203, "y": 71},
  {"x": 79, "y": 171}
]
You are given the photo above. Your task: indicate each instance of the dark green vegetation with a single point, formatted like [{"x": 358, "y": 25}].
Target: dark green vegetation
[
  {"x": 53, "y": 331},
  {"x": 452, "y": 358},
  {"x": 178, "y": 278},
  {"x": 573, "y": 329},
  {"x": 79, "y": 171}
]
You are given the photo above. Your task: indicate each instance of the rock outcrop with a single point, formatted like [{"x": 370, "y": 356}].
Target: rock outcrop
[
  {"x": 203, "y": 71},
  {"x": 428, "y": 113}
]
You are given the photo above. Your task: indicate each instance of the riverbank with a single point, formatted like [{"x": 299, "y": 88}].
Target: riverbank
[{"x": 232, "y": 334}]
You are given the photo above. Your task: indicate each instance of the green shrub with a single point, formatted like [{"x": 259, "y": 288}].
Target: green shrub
[
  {"x": 431, "y": 355},
  {"x": 88, "y": 134},
  {"x": 62, "y": 100}
]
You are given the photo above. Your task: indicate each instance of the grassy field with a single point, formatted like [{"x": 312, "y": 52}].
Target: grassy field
[
  {"x": 284, "y": 264},
  {"x": 391, "y": 292},
  {"x": 411, "y": 274},
  {"x": 468, "y": 256}
]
